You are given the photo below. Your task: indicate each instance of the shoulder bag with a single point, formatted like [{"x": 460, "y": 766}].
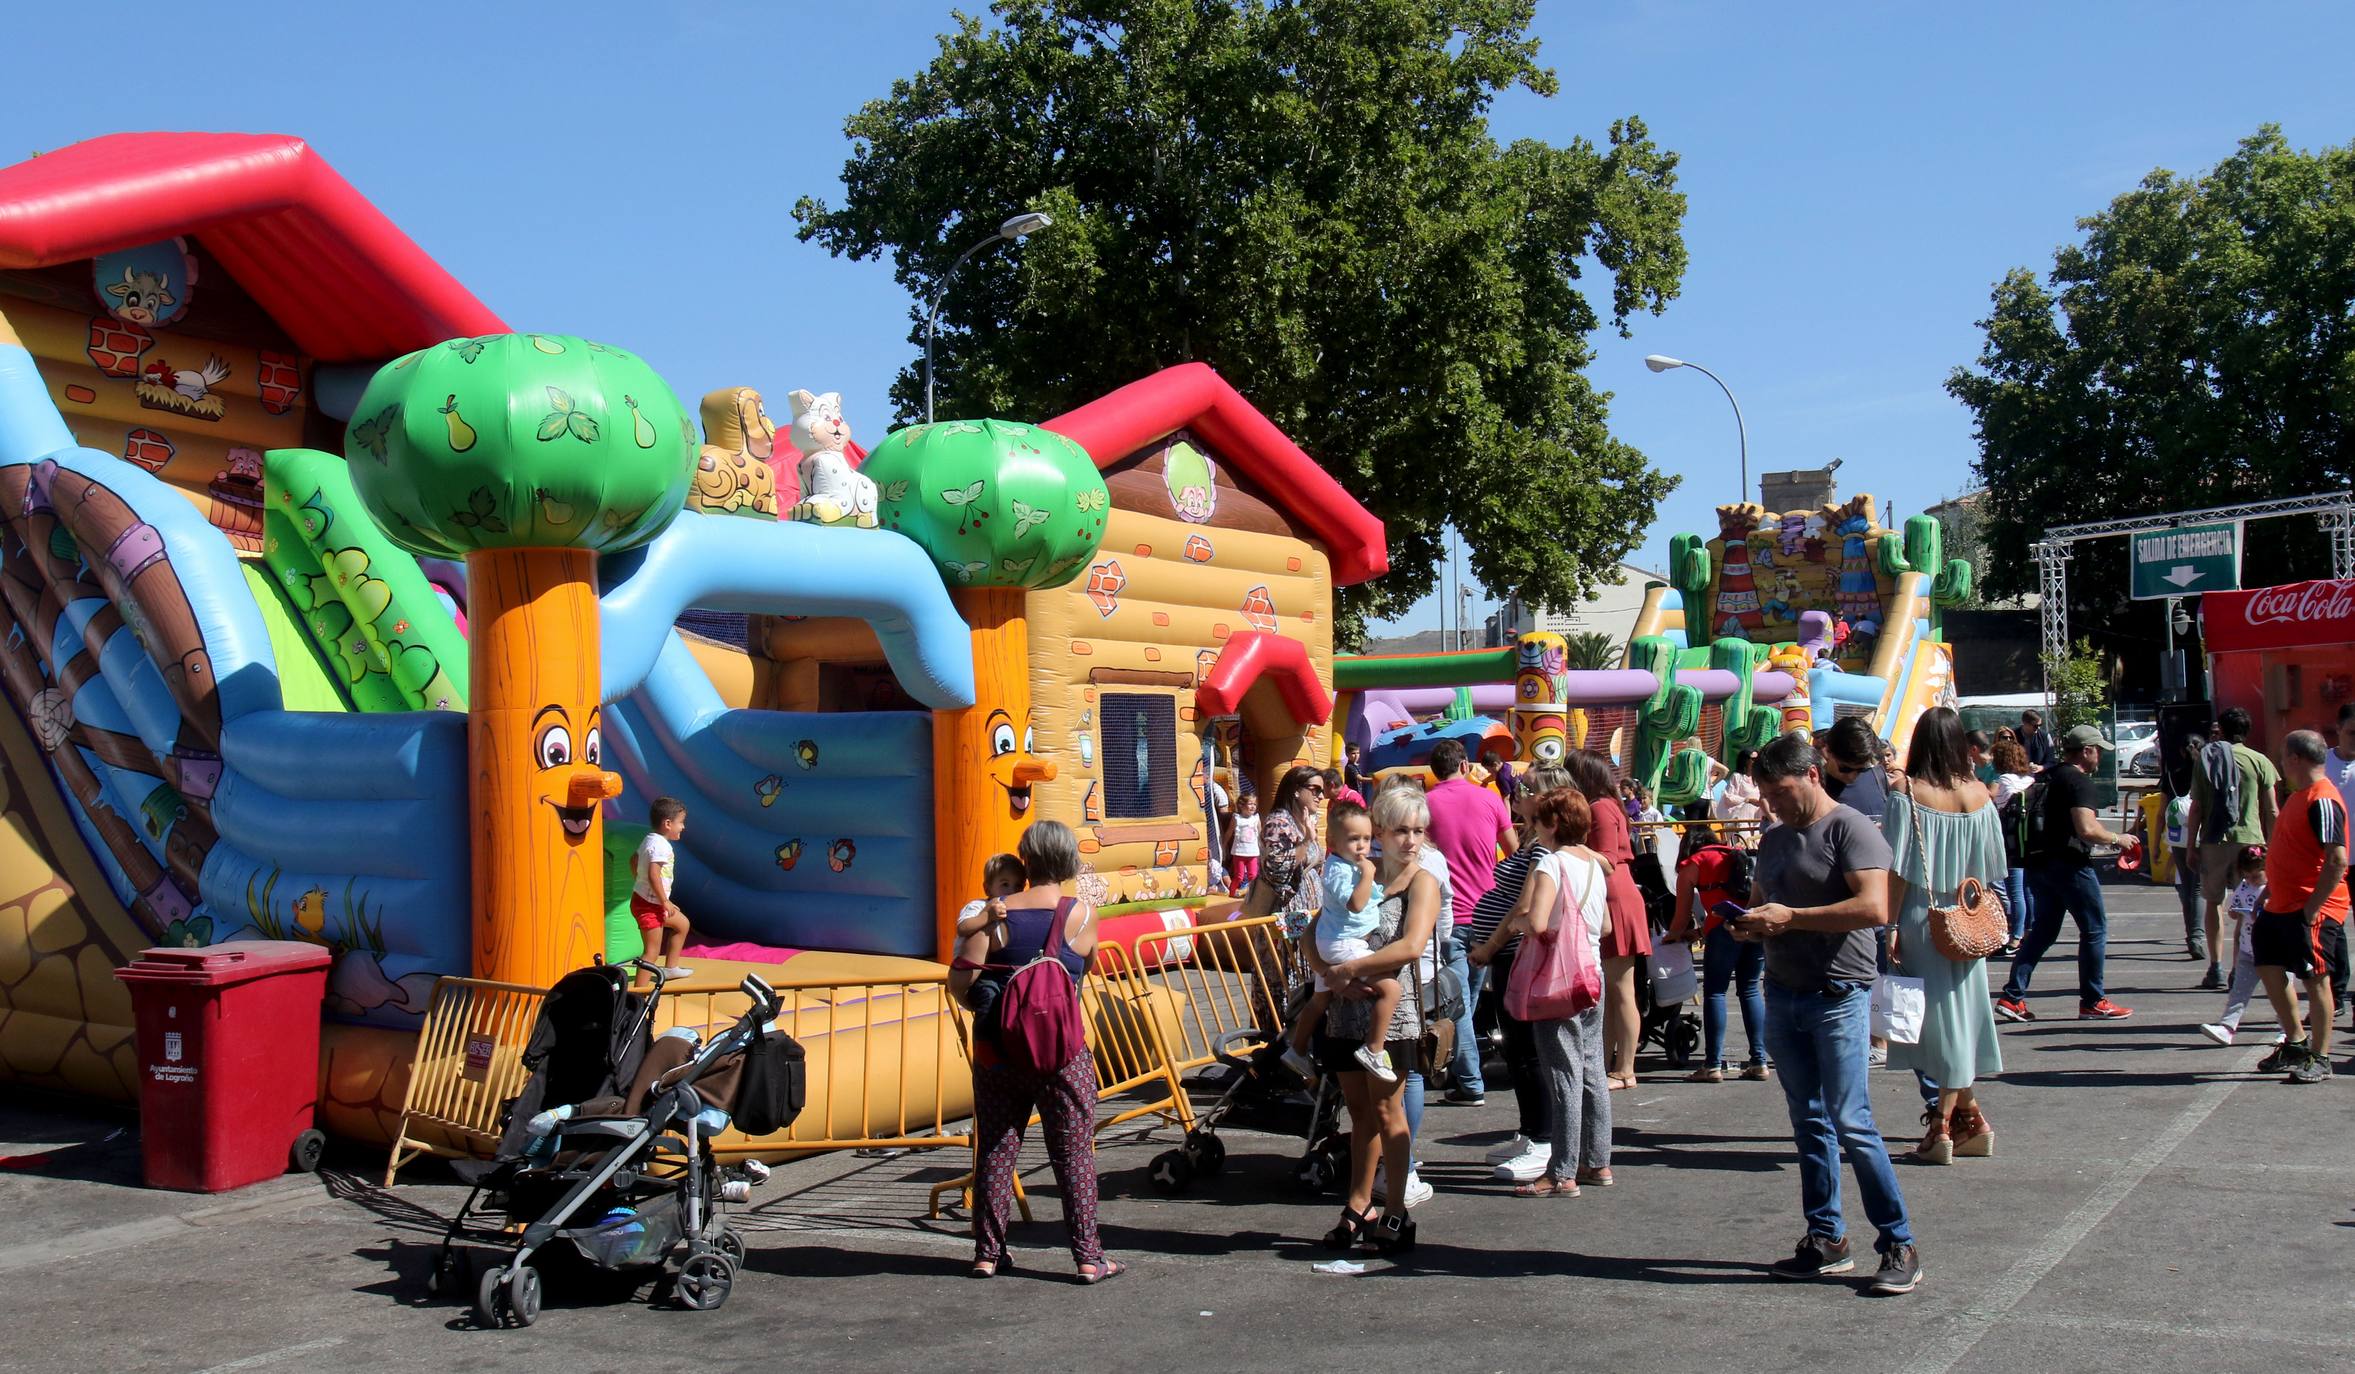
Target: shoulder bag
[{"x": 1972, "y": 926}]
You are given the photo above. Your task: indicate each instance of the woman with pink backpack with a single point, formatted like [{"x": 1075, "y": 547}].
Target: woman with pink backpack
[
  {"x": 1556, "y": 986},
  {"x": 1020, "y": 978}
]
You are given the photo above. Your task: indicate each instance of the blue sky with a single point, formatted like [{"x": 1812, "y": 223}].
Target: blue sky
[{"x": 1859, "y": 176}]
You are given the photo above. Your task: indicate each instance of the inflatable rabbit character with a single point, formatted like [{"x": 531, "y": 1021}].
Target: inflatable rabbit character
[{"x": 832, "y": 491}]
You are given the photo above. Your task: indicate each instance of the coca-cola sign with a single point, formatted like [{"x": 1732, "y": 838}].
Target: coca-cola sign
[{"x": 2284, "y": 617}]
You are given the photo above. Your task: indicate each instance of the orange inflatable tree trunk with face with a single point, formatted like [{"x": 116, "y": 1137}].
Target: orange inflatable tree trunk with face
[
  {"x": 1003, "y": 508},
  {"x": 527, "y": 455}
]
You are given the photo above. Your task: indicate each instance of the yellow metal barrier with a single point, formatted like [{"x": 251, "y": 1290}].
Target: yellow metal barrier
[
  {"x": 1155, "y": 1015},
  {"x": 469, "y": 1064},
  {"x": 885, "y": 1065}
]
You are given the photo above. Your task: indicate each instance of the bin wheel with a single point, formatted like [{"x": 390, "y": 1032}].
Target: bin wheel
[
  {"x": 704, "y": 1281},
  {"x": 1172, "y": 1173},
  {"x": 1206, "y": 1152},
  {"x": 523, "y": 1296},
  {"x": 303, "y": 1155},
  {"x": 492, "y": 1310},
  {"x": 731, "y": 1244}
]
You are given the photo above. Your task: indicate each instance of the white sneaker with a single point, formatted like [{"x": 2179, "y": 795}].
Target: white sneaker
[
  {"x": 1513, "y": 1148},
  {"x": 1300, "y": 1064},
  {"x": 1417, "y": 1191},
  {"x": 678, "y": 971},
  {"x": 1526, "y": 1166},
  {"x": 1377, "y": 1063},
  {"x": 2216, "y": 1031}
]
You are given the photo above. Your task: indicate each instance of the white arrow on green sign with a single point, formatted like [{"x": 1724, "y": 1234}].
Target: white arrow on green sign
[{"x": 2185, "y": 561}]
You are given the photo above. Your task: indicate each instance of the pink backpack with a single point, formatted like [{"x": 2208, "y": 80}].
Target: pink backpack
[
  {"x": 1556, "y": 975},
  {"x": 1039, "y": 1026}
]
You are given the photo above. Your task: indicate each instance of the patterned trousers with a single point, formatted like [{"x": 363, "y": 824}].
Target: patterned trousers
[{"x": 1003, "y": 1099}]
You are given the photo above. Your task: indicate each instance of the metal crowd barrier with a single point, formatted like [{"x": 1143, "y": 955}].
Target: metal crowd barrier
[
  {"x": 469, "y": 1065},
  {"x": 1156, "y": 1012}
]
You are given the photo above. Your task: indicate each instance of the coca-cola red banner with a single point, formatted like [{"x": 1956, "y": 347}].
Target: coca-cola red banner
[{"x": 2290, "y": 616}]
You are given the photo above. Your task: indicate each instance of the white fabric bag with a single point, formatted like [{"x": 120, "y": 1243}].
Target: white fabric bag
[{"x": 1899, "y": 1003}]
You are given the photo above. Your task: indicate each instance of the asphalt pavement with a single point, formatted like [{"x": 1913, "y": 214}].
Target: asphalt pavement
[{"x": 2153, "y": 1206}]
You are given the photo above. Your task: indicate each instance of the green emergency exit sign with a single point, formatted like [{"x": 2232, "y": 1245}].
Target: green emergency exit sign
[{"x": 2186, "y": 560}]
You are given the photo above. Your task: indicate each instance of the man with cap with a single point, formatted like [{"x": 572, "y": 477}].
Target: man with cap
[{"x": 2062, "y": 879}]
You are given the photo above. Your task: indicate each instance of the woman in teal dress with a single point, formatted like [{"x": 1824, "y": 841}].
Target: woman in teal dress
[{"x": 1942, "y": 829}]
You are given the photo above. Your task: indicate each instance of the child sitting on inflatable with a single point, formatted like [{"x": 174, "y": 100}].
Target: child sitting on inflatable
[{"x": 1350, "y": 895}]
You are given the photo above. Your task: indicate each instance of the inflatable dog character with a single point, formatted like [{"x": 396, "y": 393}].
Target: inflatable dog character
[{"x": 832, "y": 491}]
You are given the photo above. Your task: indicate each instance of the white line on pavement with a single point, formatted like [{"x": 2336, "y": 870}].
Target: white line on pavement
[
  {"x": 286, "y": 1352},
  {"x": 1957, "y": 1339}
]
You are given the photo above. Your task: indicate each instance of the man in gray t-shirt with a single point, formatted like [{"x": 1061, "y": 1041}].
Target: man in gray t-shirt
[
  {"x": 1809, "y": 866},
  {"x": 1821, "y": 891}
]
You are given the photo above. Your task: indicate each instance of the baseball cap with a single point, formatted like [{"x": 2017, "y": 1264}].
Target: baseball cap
[{"x": 2080, "y": 736}]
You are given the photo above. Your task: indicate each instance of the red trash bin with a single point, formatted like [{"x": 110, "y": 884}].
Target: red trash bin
[{"x": 228, "y": 1043}]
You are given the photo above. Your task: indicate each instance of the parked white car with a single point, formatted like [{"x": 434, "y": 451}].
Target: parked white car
[{"x": 2138, "y": 748}]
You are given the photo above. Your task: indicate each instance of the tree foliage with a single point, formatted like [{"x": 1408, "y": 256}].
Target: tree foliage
[
  {"x": 1593, "y": 650},
  {"x": 2080, "y": 689},
  {"x": 2196, "y": 348},
  {"x": 1306, "y": 195}
]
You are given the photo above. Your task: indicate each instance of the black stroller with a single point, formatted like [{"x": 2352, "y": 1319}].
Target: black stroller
[
  {"x": 1673, "y": 1028},
  {"x": 608, "y": 1147},
  {"x": 1255, "y": 1090}
]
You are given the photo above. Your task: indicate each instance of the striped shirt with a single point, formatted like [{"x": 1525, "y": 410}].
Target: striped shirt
[{"x": 1512, "y": 874}]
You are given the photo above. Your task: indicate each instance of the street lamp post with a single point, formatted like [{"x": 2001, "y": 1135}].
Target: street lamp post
[
  {"x": 1661, "y": 362},
  {"x": 1020, "y": 226}
]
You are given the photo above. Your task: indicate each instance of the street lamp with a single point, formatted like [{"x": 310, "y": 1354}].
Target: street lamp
[
  {"x": 1661, "y": 362},
  {"x": 1020, "y": 226}
]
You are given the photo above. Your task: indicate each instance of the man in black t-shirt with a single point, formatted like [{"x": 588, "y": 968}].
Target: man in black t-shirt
[{"x": 2062, "y": 880}]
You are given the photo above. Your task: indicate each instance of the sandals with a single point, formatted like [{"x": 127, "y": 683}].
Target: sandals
[
  {"x": 990, "y": 1269},
  {"x": 1596, "y": 1178},
  {"x": 1353, "y": 1228},
  {"x": 1547, "y": 1186},
  {"x": 1102, "y": 1271},
  {"x": 1619, "y": 1081}
]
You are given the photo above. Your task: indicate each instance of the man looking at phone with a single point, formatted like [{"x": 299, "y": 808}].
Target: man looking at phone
[{"x": 1819, "y": 896}]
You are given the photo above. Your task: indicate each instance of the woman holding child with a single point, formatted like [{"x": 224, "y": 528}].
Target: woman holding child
[
  {"x": 1045, "y": 917},
  {"x": 1406, "y": 912}
]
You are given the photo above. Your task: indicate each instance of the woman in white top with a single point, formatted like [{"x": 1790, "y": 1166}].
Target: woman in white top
[
  {"x": 1739, "y": 804},
  {"x": 2013, "y": 776},
  {"x": 1578, "y": 1095}
]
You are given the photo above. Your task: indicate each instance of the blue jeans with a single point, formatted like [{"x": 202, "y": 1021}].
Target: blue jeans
[
  {"x": 2055, "y": 891},
  {"x": 1412, "y": 1091},
  {"x": 1464, "y": 1066},
  {"x": 2015, "y": 895},
  {"x": 1819, "y": 1041},
  {"x": 1724, "y": 961}
]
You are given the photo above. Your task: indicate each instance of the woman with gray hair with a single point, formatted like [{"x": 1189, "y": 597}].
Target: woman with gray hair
[
  {"x": 1378, "y": 1132},
  {"x": 1043, "y": 919}
]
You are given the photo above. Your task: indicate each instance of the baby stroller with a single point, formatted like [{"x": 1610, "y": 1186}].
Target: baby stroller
[
  {"x": 1673, "y": 1028},
  {"x": 1256, "y": 1091},
  {"x": 621, "y": 1167}
]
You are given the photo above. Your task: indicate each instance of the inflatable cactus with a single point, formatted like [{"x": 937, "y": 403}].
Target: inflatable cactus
[
  {"x": 1670, "y": 714},
  {"x": 527, "y": 455},
  {"x": 1747, "y": 725},
  {"x": 1691, "y": 573}
]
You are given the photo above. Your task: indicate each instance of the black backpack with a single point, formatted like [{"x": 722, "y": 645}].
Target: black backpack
[
  {"x": 1741, "y": 869},
  {"x": 2037, "y": 840},
  {"x": 2013, "y": 817}
]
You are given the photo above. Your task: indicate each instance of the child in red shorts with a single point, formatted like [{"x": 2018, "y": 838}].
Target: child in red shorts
[{"x": 656, "y": 866}]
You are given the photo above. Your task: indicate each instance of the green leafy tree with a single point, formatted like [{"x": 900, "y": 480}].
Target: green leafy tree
[
  {"x": 1307, "y": 196},
  {"x": 1593, "y": 650},
  {"x": 2080, "y": 689},
  {"x": 2195, "y": 348}
]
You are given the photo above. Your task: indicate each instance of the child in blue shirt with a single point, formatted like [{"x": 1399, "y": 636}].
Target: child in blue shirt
[{"x": 1350, "y": 895}]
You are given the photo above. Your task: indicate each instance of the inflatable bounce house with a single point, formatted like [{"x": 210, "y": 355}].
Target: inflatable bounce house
[
  {"x": 1781, "y": 622},
  {"x": 333, "y": 610}
]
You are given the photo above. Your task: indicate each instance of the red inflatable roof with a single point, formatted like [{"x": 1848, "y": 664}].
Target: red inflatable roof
[
  {"x": 1193, "y": 396},
  {"x": 1256, "y": 655},
  {"x": 317, "y": 255}
]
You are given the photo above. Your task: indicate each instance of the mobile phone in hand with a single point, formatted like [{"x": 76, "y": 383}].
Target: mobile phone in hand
[{"x": 1729, "y": 911}]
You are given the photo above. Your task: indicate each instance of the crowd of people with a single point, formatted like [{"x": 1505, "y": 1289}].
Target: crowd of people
[{"x": 1819, "y": 870}]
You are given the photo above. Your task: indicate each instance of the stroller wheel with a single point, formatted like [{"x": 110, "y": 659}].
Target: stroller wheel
[
  {"x": 492, "y": 1310},
  {"x": 731, "y": 1244},
  {"x": 1314, "y": 1174},
  {"x": 1172, "y": 1172},
  {"x": 1206, "y": 1152},
  {"x": 523, "y": 1296},
  {"x": 1682, "y": 1037},
  {"x": 704, "y": 1281},
  {"x": 448, "y": 1279}
]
